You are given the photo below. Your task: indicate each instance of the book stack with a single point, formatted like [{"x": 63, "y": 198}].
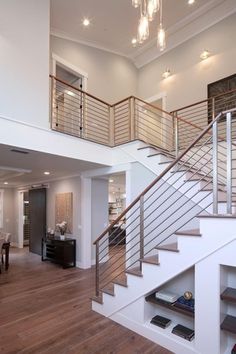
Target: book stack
[
  {"x": 160, "y": 321},
  {"x": 183, "y": 332},
  {"x": 166, "y": 296},
  {"x": 185, "y": 304}
]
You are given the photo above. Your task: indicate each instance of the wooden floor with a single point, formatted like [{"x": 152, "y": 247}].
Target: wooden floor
[{"x": 45, "y": 309}]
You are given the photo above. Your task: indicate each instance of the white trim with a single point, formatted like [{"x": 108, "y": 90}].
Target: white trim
[
  {"x": 70, "y": 67},
  {"x": 158, "y": 96}
]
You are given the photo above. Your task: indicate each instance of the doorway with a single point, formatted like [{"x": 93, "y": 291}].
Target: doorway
[
  {"x": 116, "y": 205},
  {"x": 26, "y": 220},
  {"x": 37, "y": 217}
]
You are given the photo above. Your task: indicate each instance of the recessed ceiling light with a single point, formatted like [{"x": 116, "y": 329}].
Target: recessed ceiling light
[
  {"x": 47, "y": 173},
  {"x": 5, "y": 182},
  {"x": 205, "y": 54},
  {"x": 134, "y": 42},
  {"x": 166, "y": 74},
  {"x": 86, "y": 22},
  {"x": 111, "y": 180},
  {"x": 190, "y": 2}
]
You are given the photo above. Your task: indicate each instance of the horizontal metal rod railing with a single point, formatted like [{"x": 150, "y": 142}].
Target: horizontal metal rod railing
[
  {"x": 78, "y": 113},
  {"x": 152, "y": 219}
]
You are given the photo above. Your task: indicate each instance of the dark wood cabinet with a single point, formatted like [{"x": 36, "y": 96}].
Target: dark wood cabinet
[{"x": 59, "y": 251}]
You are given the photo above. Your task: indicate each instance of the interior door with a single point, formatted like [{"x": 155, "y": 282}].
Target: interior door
[{"x": 37, "y": 211}]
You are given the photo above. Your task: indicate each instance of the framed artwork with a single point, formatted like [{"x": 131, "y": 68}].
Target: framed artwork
[
  {"x": 225, "y": 95},
  {"x": 64, "y": 210}
]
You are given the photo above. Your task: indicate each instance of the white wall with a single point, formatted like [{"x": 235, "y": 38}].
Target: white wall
[
  {"x": 99, "y": 210},
  {"x": 24, "y": 60},
  {"x": 188, "y": 83},
  {"x": 66, "y": 186},
  {"x": 110, "y": 77}
]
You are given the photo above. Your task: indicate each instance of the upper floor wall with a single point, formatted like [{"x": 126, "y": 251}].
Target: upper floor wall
[
  {"x": 190, "y": 76},
  {"x": 111, "y": 77},
  {"x": 24, "y": 60}
]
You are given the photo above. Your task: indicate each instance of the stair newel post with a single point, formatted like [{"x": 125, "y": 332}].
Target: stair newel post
[
  {"x": 176, "y": 133},
  {"x": 132, "y": 118},
  {"x": 215, "y": 160},
  {"x": 141, "y": 230},
  {"x": 112, "y": 125},
  {"x": 97, "y": 269},
  {"x": 229, "y": 161}
]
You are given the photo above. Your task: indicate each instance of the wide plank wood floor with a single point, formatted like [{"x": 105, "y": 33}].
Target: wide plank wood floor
[{"x": 45, "y": 309}]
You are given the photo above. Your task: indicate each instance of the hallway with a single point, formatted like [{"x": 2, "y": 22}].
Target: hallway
[{"x": 45, "y": 309}]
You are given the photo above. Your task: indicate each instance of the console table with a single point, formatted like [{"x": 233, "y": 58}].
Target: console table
[{"x": 59, "y": 251}]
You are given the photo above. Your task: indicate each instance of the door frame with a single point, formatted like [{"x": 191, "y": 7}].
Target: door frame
[
  {"x": 158, "y": 96},
  {"x": 56, "y": 59}
]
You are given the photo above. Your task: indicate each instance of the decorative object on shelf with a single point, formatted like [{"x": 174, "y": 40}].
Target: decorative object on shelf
[
  {"x": 186, "y": 304},
  {"x": 61, "y": 227},
  {"x": 64, "y": 210},
  {"x": 166, "y": 296},
  {"x": 50, "y": 233},
  {"x": 148, "y": 9},
  {"x": 160, "y": 321},
  {"x": 183, "y": 332},
  {"x": 188, "y": 295}
]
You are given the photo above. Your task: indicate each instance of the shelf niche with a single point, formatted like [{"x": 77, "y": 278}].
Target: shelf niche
[
  {"x": 183, "y": 282},
  {"x": 227, "y": 308}
]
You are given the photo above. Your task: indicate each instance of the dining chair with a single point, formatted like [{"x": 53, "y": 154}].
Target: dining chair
[
  {"x": 2, "y": 241},
  {"x": 6, "y": 236}
]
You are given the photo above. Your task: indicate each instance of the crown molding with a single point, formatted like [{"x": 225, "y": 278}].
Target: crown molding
[
  {"x": 197, "y": 22},
  {"x": 59, "y": 34}
]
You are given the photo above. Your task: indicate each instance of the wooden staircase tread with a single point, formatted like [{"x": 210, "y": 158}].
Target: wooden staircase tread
[
  {"x": 192, "y": 232},
  {"x": 172, "y": 247},
  {"x": 121, "y": 280},
  {"x": 109, "y": 289},
  {"x": 134, "y": 271},
  {"x": 97, "y": 299},
  {"x": 165, "y": 162},
  {"x": 151, "y": 259}
]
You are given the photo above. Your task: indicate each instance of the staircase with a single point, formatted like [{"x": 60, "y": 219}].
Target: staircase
[
  {"x": 179, "y": 232},
  {"x": 166, "y": 232}
]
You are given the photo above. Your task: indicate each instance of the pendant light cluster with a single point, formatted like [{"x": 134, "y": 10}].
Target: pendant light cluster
[{"x": 148, "y": 9}]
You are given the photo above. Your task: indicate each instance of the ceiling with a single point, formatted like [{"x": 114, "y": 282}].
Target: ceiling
[
  {"x": 26, "y": 169},
  {"x": 114, "y": 22}
]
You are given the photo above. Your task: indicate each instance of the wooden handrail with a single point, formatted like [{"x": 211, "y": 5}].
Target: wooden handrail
[
  {"x": 205, "y": 131},
  {"x": 125, "y": 99}
]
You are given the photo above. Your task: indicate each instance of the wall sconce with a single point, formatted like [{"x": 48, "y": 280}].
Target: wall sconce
[
  {"x": 205, "y": 54},
  {"x": 166, "y": 74}
]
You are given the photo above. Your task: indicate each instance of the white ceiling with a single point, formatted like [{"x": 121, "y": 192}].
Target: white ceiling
[
  {"x": 114, "y": 22},
  {"x": 26, "y": 169}
]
